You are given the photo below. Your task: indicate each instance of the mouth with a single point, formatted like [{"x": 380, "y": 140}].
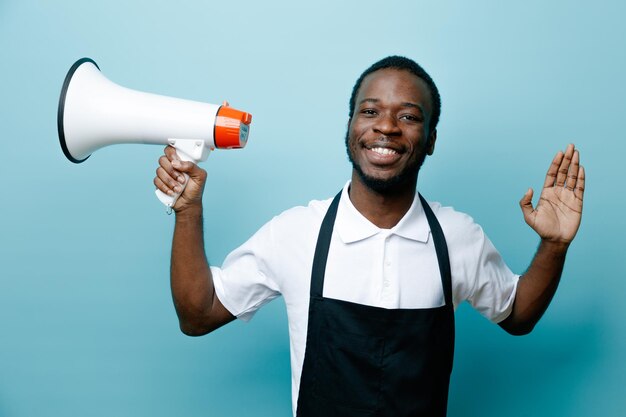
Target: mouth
[{"x": 383, "y": 153}]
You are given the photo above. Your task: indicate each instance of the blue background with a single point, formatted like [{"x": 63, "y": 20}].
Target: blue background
[{"x": 87, "y": 325}]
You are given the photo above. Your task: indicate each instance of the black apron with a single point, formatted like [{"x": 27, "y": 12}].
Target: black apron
[{"x": 370, "y": 361}]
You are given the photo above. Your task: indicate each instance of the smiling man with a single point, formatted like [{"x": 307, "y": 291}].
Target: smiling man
[
  {"x": 379, "y": 92},
  {"x": 388, "y": 138},
  {"x": 371, "y": 278}
]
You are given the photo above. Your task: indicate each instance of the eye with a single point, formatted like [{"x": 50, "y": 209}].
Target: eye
[
  {"x": 411, "y": 118},
  {"x": 369, "y": 112}
]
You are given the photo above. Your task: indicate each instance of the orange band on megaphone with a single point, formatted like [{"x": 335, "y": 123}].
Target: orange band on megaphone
[{"x": 227, "y": 127}]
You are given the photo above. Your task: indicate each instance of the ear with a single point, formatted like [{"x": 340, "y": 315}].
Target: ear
[{"x": 432, "y": 138}]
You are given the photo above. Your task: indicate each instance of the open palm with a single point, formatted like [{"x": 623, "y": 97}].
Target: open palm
[{"x": 559, "y": 210}]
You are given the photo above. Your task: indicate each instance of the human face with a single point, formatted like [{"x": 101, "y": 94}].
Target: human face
[{"x": 389, "y": 135}]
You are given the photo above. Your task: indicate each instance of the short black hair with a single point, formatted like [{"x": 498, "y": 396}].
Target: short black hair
[{"x": 406, "y": 64}]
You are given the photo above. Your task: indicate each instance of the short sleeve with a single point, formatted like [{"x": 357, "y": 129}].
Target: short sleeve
[
  {"x": 479, "y": 274},
  {"x": 495, "y": 284},
  {"x": 245, "y": 282}
]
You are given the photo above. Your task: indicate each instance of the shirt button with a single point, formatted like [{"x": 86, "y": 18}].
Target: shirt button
[
  {"x": 388, "y": 262},
  {"x": 386, "y": 283}
]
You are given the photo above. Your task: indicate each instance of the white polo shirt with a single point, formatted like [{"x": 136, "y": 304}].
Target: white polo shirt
[{"x": 388, "y": 268}]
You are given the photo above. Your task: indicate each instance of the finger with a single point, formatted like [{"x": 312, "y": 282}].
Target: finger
[
  {"x": 191, "y": 169},
  {"x": 553, "y": 170},
  {"x": 170, "y": 152},
  {"x": 564, "y": 167},
  {"x": 160, "y": 185},
  {"x": 169, "y": 167},
  {"x": 572, "y": 175},
  {"x": 167, "y": 180},
  {"x": 579, "y": 191},
  {"x": 183, "y": 166},
  {"x": 526, "y": 204}
]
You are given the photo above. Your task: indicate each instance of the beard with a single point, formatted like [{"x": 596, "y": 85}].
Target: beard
[{"x": 406, "y": 178}]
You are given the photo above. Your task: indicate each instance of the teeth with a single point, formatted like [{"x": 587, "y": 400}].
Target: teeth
[{"x": 384, "y": 151}]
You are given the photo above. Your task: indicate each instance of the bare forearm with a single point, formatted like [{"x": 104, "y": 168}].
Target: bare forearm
[
  {"x": 191, "y": 280},
  {"x": 199, "y": 310},
  {"x": 536, "y": 287}
]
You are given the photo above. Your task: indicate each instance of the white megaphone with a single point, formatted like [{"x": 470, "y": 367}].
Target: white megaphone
[{"x": 95, "y": 112}]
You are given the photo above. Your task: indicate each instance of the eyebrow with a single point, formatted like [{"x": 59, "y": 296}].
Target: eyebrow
[{"x": 405, "y": 104}]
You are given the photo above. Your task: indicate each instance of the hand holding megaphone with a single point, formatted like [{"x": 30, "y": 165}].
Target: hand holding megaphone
[
  {"x": 174, "y": 177},
  {"x": 95, "y": 112},
  {"x": 230, "y": 131}
]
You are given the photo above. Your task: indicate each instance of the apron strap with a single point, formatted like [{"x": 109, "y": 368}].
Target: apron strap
[
  {"x": 321, "y": 249},
  {"x": 441, "y": 247}
]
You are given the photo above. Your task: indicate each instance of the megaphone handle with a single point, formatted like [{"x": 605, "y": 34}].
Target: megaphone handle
[{"x": 170, "y": 200}]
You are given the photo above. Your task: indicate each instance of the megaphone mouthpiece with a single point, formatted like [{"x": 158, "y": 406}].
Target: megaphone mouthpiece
[{"x": 61, "y": 109}]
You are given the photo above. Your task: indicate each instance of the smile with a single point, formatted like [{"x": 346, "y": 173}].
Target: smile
[{"x": 384, "y": 151}]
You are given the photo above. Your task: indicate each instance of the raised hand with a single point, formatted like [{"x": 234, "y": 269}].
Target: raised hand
[{"x": 557, "y": 215}]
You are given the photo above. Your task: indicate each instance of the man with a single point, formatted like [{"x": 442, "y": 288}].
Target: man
[{"x": 370, "y": 280}]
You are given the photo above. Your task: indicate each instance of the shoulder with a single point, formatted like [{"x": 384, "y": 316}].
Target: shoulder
[
  {"x": 463, "y": 234},
  {"x": 289, "y": 240},
  {"x": 282, "y": 239},
  {"x": 457, "y": 226}
]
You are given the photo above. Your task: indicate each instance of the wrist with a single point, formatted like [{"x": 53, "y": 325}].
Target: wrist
[
  {"x": 554, "y": 246},
  {"x": 191, "y": 212}
]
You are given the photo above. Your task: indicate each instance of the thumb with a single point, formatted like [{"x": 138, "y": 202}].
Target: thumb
[
  {"x": 195, "y": 185},
  {"x": 189, "y": 168},
  {"x": 526, "y": 203}
]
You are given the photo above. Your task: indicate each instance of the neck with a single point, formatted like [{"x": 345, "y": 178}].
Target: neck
[{"x": 386, "y": 209}]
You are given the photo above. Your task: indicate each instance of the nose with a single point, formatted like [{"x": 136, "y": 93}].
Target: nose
[{"x": 387, "y": 124}]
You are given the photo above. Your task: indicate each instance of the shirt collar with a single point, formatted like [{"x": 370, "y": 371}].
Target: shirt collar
[{"x": 352, "y": 226}]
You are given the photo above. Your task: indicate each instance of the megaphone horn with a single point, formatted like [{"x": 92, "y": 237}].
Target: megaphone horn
[{"x": 94, "y": 112}]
